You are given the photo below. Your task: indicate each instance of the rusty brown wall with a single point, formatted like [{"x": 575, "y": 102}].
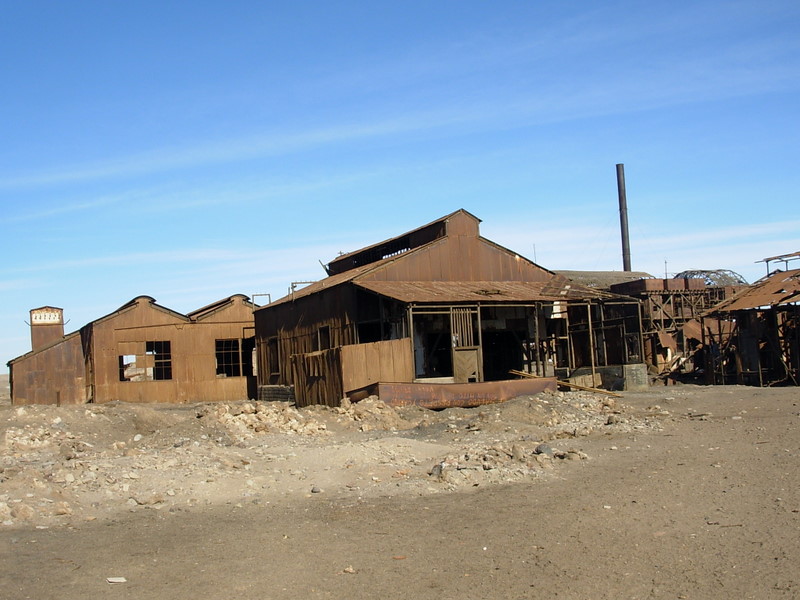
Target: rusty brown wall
[
  {"x": 459, "y": 258},
  {"x": 324, "y": 377},
  {"x": 55, "y": 375},
  {"x": 366, "y": 364},
  {"x": 44, "y": 335},
  {"x": 192, "y": 346}
]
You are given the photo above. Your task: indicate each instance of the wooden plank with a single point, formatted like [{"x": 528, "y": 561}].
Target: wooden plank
[{"x": 568, "y": 384}]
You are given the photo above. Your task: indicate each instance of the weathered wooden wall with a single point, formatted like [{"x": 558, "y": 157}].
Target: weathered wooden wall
[
  {"x": 317, "y": 377},
  {"x": 296, "y": 324},
  {"x": 366, "y": 364},
  {"x": 326, "y": 376}
]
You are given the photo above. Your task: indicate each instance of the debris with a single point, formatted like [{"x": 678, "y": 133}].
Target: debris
[{"x": 568, "y": 384}]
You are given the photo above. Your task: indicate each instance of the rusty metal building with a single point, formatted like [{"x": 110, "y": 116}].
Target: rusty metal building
[
  {"x": 142, "y": 352},
  {"x": 671, "y": 312},
  {"x": 438, "y": 305},
  {"x": 760, "y": 343}
]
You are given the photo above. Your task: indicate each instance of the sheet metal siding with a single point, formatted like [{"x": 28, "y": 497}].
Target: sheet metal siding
[
  {"x": 193, "y": 355},
  {"x": 55, "y": 375},
  {"x": 780, "y": 288},
  {"x": 459, "y": 259},
  {"x": 44, "y": 335},
  {"x": 296, "y": 324}
]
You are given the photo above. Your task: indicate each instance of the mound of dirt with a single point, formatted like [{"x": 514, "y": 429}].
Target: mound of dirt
[{"x": 61, "y": 464}]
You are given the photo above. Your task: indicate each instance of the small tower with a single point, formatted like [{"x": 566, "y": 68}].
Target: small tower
[{"x": 47, "y": 326}]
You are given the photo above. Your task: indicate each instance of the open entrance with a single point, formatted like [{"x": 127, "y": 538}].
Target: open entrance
[
  {"x": 432, "y": 344},
  {"x": 447, "y": 344}
]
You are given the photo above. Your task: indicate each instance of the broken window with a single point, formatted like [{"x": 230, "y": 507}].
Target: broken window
[
  {"x": 229, "y": 358},
  {"x": 162, "y": 359},
  {"x": 234, "y": 357},
  {"x": 145, "y": 361},
  {"x": 128, "y": 371}
]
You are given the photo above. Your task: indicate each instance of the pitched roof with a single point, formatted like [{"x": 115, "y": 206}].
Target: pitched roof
[
  {"x": 428, "y": 292},
  {"x": 603, "y": 279},
  {"x": 393, "y": 246},
  {"x": 139, "y": 300},
  {"x": 208, "y": 310},
  {"x": 780, "y": 288}
]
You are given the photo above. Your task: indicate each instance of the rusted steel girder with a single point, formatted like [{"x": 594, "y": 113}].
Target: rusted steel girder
[{"x": 464, "y": 395}]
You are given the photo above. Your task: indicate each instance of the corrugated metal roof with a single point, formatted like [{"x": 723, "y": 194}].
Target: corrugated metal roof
[
  {"x": 344, "y": 258},
  {"x": 603, "y": 279},
  {"x": 429, "y": 292},
  {"x": 344, "y": 277},
  {"x": 210, "y": 309},
  {"x": 778, "y": 288}
]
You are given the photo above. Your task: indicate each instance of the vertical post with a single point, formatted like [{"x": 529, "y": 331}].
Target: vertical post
[
  {"x": 591, "y": 341},
  {"x": 540, "y": 368},
  {"x": 623, "y": 218}
]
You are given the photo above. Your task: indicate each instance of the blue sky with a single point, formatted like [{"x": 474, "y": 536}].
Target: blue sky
[{"x": 193, "y": 150}]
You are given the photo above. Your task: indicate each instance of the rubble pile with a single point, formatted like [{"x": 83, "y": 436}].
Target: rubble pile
[
  {"x": 63, "y": 465},
  {"x": 247, "y": 419}
]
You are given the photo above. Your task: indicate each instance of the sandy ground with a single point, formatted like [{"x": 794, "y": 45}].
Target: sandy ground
[{"x": 680, "y": 492}]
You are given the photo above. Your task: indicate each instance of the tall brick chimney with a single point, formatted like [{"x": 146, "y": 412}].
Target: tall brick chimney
[{"x": 47, "y": 326}]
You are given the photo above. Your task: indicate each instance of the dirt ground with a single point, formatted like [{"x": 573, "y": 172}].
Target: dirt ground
[{"x": 679, "y": 492}]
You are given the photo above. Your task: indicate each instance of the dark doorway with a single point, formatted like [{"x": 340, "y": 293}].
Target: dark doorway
[{"x": 502, "y": 351}]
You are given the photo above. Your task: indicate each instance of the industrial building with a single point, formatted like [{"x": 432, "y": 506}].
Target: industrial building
[
  {"x": 141, "y": 352},
  {"x": 755, "y": 334},
  {"x": 442, "y": 305}
]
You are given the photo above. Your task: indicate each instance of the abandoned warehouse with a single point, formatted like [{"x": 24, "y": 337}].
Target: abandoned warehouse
[
  {"x": 141, "y": 352},
  {"x": 441, "y": 304}
]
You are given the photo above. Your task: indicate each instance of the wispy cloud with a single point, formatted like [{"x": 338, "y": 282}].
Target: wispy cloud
[
  {"x": 19, "y": 284},
  {"x": 581, "y": 246},
  {"x": 526, "y": 92}
]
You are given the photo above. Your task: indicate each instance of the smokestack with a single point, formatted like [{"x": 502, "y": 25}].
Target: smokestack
[
  {"x": 623, "y": 218},
  {"x": 47, "y": 326}
]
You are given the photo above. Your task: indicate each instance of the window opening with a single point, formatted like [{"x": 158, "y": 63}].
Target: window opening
[
  {"x": 324, "y": 338},
  {"x": 229, "y": 358},
  {"x": 162, "y": 363},
  {"x": 152, "y": 362},
  {"x": 272, "y": 356}
]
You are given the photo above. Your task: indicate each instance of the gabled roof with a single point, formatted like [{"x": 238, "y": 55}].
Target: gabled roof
[
  {"x": 427, "y": 292},
  {"x": 778, "y": 289},
  {"x": 394, "y": 246},
  {"x": 334, "y": 280},
  {"x": 603, "y": 279},
  {"x": 139, "y": 301},
  {"x": 549, "y": 286},
  {"x": 60, "y": 340},
  {"x": 210, "y": 309}
]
